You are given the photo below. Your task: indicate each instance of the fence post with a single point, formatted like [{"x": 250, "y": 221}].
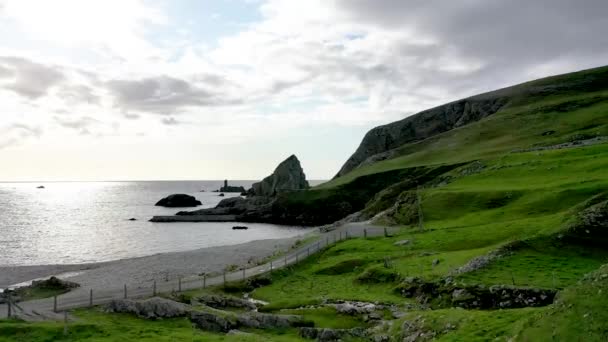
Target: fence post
[
  {"x": 243, "y": 274},
  {"x": 224, "y": 278},
  {"x": 340, "y": 236},
  {"x": 125, "y": 291},
  {"x": 179, "y": 285},
  {"x": 327, "y": 241},
  {"x": 365, "y": 233},
  {"x": 308, "y": 251},
  {"x": 204, "y": 281},
  {"x": 8, "y": 301},
  {"x": 91, "y": 297},
  {"x": 154, "y": 289},
  {"x": 55, "y": 304},
  {"x": 346, "y": 234},
  {"x": 385, "y": 232},
  {"x": 65, "y": 323}
]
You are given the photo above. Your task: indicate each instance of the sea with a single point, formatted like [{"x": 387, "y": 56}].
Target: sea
[{"x": 84, "y": 222}]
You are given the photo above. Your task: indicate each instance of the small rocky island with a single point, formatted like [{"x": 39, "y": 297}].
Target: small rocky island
[
  {"x": 179, "y": 201},
  {"x": 229, "y": 188},
  {"x": 257, "y": 206}
]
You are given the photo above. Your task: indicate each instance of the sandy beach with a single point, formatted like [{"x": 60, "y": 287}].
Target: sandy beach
[{"x": 143, "y": 271}]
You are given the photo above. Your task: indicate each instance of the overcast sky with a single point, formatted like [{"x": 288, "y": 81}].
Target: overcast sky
[{"x": 191, "y": 89}]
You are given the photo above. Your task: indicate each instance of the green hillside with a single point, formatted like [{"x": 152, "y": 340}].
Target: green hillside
[{"x": 518, "y": 200}]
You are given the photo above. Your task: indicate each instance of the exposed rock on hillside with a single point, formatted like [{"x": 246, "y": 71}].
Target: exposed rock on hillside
[
  {"x": 475, "y": 296},
  {"x": 178, "y": 201},
  {"x": 153, "y": 308},
  {"x": 288, "y": 176},
  {"x": 379, "y": 141},
  {"x": 383, "y": 142}
]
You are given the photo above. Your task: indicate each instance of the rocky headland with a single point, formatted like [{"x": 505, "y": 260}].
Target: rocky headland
[{"x": 257, "y": 206}]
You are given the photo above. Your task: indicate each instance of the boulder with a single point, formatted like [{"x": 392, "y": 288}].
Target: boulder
[
  {"x": 268, "y": 321},
  {"x": 178, "y": 201},
  {"x": 54, "y": 283},
  {"x": 356, "y": 308},
  {"x": 327, "y": 335},
  {"x": 153, "y": 308},
  {"x": 402, "y": 243},
  {"x": 288, "y": 176},
  {"x": 225, "y": 321},
  {"x": 208, "y": 321},
  {"x": 220, "y": 302}
]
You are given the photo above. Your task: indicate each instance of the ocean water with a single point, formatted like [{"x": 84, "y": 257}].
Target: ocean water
[{"x": 82, "y": 222}]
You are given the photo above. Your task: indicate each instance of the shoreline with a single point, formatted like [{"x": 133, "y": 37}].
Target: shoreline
[{"x": 141, "y": 271}]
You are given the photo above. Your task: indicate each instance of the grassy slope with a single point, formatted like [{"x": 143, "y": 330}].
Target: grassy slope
[
  {"x": 520, "y": 196},
  {"x": 570, "y": 114}
]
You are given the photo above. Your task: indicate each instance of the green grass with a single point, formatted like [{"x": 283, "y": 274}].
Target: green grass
[
  {"x": 96, "y": 326},
  {"x": 578, "y": 315},
  {"x": 467, "y": 325},
  {"x": 327, "y": 317},
  {"x": 478, "y": 195}
]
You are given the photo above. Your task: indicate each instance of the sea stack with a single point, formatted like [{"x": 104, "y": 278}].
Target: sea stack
[
  {"x": 288, "y": 176},
  {"x": 228, "y": 188}
]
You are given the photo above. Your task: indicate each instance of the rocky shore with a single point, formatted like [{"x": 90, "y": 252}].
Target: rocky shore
[{"x": 136, "y": 272}]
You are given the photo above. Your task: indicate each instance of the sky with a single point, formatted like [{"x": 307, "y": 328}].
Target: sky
[{"x": 196, "y": 89}]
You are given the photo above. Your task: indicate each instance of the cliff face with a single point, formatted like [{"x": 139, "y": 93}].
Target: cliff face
[
  {"x": 288, "y": 176},
  {"x": 378, "y": 143},
  {"x": 421, "y": 126}
]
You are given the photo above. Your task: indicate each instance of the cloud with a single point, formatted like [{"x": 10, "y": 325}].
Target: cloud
[
  {"x": 170, "y": 121},
  {"x": 30, "y": 79},
  {"x": 79, "y": 93},
  {"x": 78, "y": 124},
  {"x": 16, "y": 133},
  {"x": 163, "y": 95},
  {"x": 112, "y": 28}
]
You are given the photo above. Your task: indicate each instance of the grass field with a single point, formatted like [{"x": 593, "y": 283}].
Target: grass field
[{"x": 479, "y": 193}]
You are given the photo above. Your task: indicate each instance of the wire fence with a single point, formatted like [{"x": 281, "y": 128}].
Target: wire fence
[{"x": 99, "y": 297}]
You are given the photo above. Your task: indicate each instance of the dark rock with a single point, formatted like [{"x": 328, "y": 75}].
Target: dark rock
[
  {"x": 132, "y": 219},
  {"x": 228, "y": 188},
  {"x": 226, "y": 321},
  {"x": 220, "y": 302},
  {"x": 54, "y": 283},
  {"x": 288, "y": 176},
  {"x": 240, "y": 227},
  {"x": 548, "y": 133},
  {"x": 475, "y": 296},
  {"x": 213, "y": 322},
  {"x": 221, "y": 195},
  {"x": 329, "y": 335},
  {"x": 269, "y": 321},
  {"x": 153, "y": 308},
  {"x": 40, "y": 187},
  {"x": 178, "y": 201}
]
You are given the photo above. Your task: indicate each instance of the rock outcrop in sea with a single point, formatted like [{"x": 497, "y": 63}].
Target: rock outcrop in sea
[
  {"x": 229, "y": 188},
  {"x": 258, "y": 206},
  {"x": 288, "y": 176},
  {"x": 178, "y": 201}
]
